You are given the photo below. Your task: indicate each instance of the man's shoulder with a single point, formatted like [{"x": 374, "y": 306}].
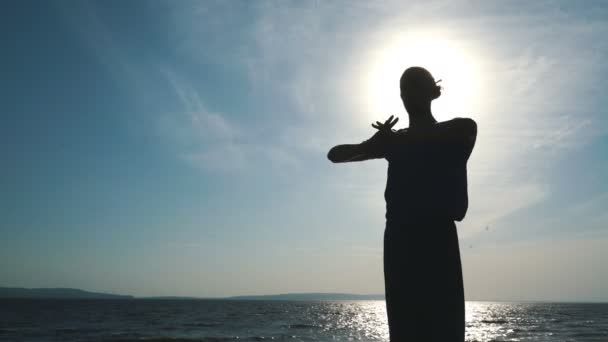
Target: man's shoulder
[
  {"x": 467, "y": 126},
  {"x": 463, "y": 122}
]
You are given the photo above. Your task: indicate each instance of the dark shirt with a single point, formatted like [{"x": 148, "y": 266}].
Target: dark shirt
[{"x": 427, "y": 172}]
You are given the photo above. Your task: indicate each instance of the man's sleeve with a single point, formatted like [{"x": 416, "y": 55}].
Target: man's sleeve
[
  {"x": 376, "y": 146},
  {"x": 468, "y": 130}
]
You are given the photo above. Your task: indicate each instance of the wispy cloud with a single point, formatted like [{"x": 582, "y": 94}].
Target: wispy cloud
[
  {"x": 97, "y": 36},
  {"x": 205, "y": 125},
  {"x": 211, "y": 141}
]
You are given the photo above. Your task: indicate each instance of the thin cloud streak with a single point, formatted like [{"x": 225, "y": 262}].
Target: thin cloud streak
[{"x": 210, "y": 141}]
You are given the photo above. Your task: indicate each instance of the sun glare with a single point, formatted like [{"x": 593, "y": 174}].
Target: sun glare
[{"x": 442, "y": 57}]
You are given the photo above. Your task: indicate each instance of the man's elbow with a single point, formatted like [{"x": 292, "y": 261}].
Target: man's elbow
[{"x": 332, "y": 155}]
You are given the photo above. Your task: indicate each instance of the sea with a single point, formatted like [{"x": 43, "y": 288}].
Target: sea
[{"x": 242, "y": 320}]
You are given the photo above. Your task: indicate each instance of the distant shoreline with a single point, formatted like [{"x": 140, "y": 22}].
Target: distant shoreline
[
  {"x": 56, "y": 293},
  {"x": 311, "y": 296}
]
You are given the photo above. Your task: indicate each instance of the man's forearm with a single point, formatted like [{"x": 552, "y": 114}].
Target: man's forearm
[{"x": 346, "y": 153}]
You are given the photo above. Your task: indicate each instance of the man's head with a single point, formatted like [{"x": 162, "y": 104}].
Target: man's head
[{"x": 418, "y": 88}]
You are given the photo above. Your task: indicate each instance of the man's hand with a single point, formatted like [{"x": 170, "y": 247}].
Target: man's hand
[
  {"x": 378, "y": 142},
  {"x": 373, "y": 148},
  {"x": 387, "y": 125}
]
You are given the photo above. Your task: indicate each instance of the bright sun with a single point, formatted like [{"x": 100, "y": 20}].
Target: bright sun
[{"x": 443, "y": 58}]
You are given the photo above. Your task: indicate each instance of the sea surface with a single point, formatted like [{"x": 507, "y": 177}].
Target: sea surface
[{"x": 226, "y": 320}]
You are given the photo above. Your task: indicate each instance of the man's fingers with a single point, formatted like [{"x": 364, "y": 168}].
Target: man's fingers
[
  {"x": 388, "y": 124},
  {"x": 394, "y": 122}
]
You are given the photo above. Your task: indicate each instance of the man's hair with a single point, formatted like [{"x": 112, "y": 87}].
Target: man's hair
[{"x": 419, "y": 82}]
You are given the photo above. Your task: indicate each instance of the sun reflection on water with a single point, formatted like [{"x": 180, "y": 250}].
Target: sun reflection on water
[
  {"x": 485, "y": 322},
  {"x": 360, "y": 321}
]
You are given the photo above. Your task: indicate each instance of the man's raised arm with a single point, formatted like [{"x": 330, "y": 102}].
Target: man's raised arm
[
  {"x": 353, "y": 152},
  {"x": 372, "y": 148},
  {"x": 456, "y": 130}
]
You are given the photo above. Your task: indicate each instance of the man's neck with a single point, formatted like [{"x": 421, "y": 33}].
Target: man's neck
[{"x": 422, "y": 119}]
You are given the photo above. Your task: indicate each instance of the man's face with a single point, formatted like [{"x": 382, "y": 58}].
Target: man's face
[{"x": 413, "y": 98}]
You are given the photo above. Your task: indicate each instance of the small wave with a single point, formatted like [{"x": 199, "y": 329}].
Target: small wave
[
  {"x": 302, "y": 326},
  {"x": 494, "y": 321},
  {"x": 269, "y": 338},
  {"x": 150, "y": 339},
  {"x": 68, "y": 330},
  {"x": 176, "y": 339},
  {"x": 203, "y": 324}
]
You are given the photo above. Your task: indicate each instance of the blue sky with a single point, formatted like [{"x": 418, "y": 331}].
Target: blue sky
[{"x": 178, "y": 148}]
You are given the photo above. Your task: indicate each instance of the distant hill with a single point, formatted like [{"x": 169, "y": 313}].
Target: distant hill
[
  {"x": 311, "y": 296},
  {"x": 19, "y": 292},
  {"x": 175, "y": 298}
]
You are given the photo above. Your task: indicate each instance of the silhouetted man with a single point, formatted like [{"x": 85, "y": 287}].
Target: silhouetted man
[{"x": 426, "y": 192}]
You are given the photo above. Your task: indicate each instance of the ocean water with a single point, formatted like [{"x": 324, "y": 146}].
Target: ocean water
[{"x": 224, "y": 320}]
